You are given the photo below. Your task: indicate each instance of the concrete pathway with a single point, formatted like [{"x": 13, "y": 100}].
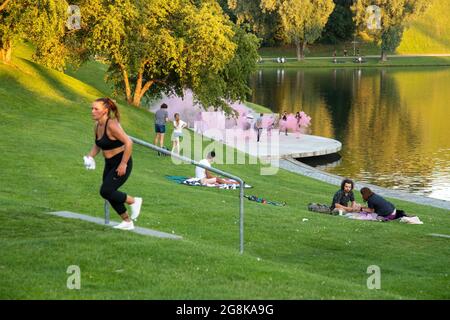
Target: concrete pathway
[
  {"x": 277, "y": 145},
  {"x": 138, "y": 230},
  {"x": 340, "y": 57}
]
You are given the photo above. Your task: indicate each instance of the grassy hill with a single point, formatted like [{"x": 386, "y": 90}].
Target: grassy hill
[
  {"x": 426, "y": 34},
  {"x": 429, "y": 33},
  {"x": 46, "y": 128}
]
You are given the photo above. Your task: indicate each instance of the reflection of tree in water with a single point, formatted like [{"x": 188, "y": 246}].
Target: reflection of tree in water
[{"x": 391, "y": 122}]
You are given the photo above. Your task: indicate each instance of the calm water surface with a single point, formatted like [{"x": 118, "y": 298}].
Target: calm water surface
[{"x": 394, "y": 123}]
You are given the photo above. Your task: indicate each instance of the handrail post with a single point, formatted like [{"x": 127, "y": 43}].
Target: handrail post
[
  {"x": 193, "y": 162},
  {"x": 106, "y": 212},
  {"x": 241, "y": 217}
]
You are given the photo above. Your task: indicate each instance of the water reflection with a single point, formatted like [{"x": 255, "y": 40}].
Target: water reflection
[{"x": 392, "y": 122}]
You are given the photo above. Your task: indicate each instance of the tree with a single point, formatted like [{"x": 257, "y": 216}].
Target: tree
[
  {"x": 304, "y": 20},
  {"x": 340, "y": 25},
  {"x": 42, "y": 22},
  {"x": 252, "y": 16},
  {"x": 164, "y": 46},
  {"x": 384, "y": 20}
]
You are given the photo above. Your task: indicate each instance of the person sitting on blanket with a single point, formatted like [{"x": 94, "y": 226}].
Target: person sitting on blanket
[
  {"x": 205, "y": 176},
  {"x": 378, "y": 205},
  {"x": 343, "y": 196}
]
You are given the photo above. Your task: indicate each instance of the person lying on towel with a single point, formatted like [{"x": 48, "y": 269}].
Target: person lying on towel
[{"x": 206, "y": 177}]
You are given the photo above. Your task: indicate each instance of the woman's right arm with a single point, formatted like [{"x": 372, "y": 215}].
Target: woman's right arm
[{"x": 94, "y": 151}]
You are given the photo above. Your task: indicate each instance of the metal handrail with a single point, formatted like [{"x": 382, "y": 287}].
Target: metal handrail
[{"x": 193, "y": 162}]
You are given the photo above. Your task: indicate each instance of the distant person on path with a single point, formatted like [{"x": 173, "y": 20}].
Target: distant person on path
[
  {"x": 377, "y": 204},
  {"x": 298, "y": 117},
  {"x": 117, "y": 148},
  {"x": 161, "y": 117},
  {"x": 284, "y": 122},
  {"x": 178, "y": 126},
  {"x": 343, "y": 196},
  {"x": 259, "y": 126}
]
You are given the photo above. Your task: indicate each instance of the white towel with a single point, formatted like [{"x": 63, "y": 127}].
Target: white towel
[
  {"x": 411, "y": 220},
  {"x": 89, "y": 162}
]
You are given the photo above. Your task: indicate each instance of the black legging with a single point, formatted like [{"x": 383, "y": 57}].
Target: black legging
[{"x": 112, "y": 182}]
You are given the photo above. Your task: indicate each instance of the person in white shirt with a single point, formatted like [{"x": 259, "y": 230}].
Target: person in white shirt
[
  {"x": 205, "y": 176},
  {"x": 178, "y": 126}
]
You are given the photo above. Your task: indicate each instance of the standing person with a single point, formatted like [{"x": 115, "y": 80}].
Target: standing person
[
  {"x": 378, "y": 205},
  {"x": 259, "y": 126},
  {"x": 116, "y": 147},
  {"x": 178, "y": 126},
  {"x": 298, "y": 117},
  {"x": 284, "y": 119},
  {"x": 161, "y": 117}
]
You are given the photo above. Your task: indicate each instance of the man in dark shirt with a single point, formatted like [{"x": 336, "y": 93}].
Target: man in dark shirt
[
  {"x": 378, "y": 204},
  {"x": 343, "y": 197}
]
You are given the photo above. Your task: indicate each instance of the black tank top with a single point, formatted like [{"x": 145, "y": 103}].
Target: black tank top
[{"x": 105, "y": 143}]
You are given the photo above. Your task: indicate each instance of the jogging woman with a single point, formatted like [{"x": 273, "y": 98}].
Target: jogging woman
[{"x": 116, "y": 146}]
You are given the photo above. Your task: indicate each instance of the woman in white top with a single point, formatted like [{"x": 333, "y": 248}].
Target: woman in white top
[{"x": 178, "y": 126}]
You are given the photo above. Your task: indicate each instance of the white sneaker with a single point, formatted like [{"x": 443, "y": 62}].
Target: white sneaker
[
  {"x": 136, "y": 208},
  {"x": 124, "y": 225}
]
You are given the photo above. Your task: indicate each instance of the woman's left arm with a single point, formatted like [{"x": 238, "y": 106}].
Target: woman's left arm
[{"x": 118, "y": 133}]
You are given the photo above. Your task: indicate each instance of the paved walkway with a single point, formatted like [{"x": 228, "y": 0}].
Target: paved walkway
[
  {"x": 367, "y": 56},
  {"x": 277, "y": 145},
  {"x": 139, "y": 230},
  {"x": 292, "y": 165}
]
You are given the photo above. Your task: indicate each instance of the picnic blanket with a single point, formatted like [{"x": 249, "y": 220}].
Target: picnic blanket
[
  {"x": 365, "y": 216},
  {"x": 196, "y": 183}
]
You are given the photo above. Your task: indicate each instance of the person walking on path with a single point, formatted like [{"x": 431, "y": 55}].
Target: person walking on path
[
  {"x": 116, "y": 146},
  {"x": 259, "y": 126}
]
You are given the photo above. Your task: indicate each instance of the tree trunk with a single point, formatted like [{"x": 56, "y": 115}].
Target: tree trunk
[
  {"x": 6, "y": 51},
  {"x": 137, "y": 92},
  {"x": 301, "y": 46},
  {"x": 127, "y": 84},
  {"x": 384, "y": 57},
  {"x": 3, "y": 5}
]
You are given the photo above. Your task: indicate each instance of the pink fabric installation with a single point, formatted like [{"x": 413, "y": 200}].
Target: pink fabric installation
[{"x": 201, "y": 120}]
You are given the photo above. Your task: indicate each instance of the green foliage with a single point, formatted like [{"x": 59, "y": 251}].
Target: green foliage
[
  {"x": 253, "y": 17},
  {"x": 395, "y": 14},
  {"x": 160, "y": 46},
  {"x": 231, "y": 83},
  {"x": 42, "y": 22},
  {"x": 340, "y": 26},
  {"x": 304, "y": 20}
]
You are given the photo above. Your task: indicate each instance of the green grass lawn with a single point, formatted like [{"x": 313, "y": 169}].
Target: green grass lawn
[
  {"x": 257, "y": 107},
  {"x": 321, "y": 50},
  {"x": 46, "y": 128}
]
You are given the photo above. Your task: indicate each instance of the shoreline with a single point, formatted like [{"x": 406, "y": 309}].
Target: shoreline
[
  {"x": 348, "y": 62},
  {"x": 294, "y": 166}
]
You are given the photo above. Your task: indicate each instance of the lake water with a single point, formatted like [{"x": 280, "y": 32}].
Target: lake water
[{"x": 394, "y": 123}]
